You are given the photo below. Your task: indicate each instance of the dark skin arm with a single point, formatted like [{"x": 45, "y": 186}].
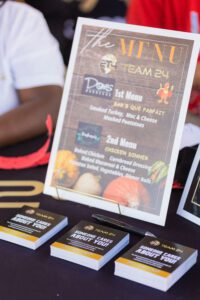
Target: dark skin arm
[{"x": 28, "y": 120}]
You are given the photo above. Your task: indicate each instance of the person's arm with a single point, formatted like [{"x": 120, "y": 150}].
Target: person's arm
[
  {"x": 36, "y": 72},
  {"x": 28, "y": 120}
]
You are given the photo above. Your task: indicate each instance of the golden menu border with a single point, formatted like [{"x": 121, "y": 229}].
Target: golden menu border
[{"x": 70, "y": 84}]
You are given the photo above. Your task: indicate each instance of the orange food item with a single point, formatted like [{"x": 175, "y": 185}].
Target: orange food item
[
  {"x": 65, "y": 170},
  {"x": 127, "y": 191}
]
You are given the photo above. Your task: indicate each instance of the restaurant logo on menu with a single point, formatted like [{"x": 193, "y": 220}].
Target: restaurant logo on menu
[
  {"x": 98, "y": 86},
  {"x": 88, "y": 134},
  {"x": 108, "y": 63}
]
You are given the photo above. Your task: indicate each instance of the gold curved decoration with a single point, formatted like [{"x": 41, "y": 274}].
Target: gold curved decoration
[
  {"x": 19, "y": 204},
  {"x": 37, "y": 188}
]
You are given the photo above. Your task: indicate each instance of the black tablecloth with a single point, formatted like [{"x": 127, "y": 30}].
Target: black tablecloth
[{"x": 29, "y": 274}]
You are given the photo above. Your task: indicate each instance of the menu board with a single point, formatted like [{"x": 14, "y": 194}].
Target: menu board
[
  {"x": 121, "y": 118},
  {"x": 189, "y": 206}
]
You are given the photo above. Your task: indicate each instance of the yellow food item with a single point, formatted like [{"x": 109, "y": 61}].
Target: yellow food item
[{"x": 65, "y": 169}]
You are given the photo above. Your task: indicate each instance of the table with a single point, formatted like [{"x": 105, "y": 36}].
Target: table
[{"x": 29, "y": 274}]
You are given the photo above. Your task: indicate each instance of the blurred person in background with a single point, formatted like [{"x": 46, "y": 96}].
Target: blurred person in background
[
  {"x": 31, "y": 73},
  {"x": 182, "y": 15},
  {"x": 61, "y": 16}
]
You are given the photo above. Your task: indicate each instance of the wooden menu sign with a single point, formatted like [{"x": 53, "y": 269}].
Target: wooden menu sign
[{"x": 121, "y": 118}]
